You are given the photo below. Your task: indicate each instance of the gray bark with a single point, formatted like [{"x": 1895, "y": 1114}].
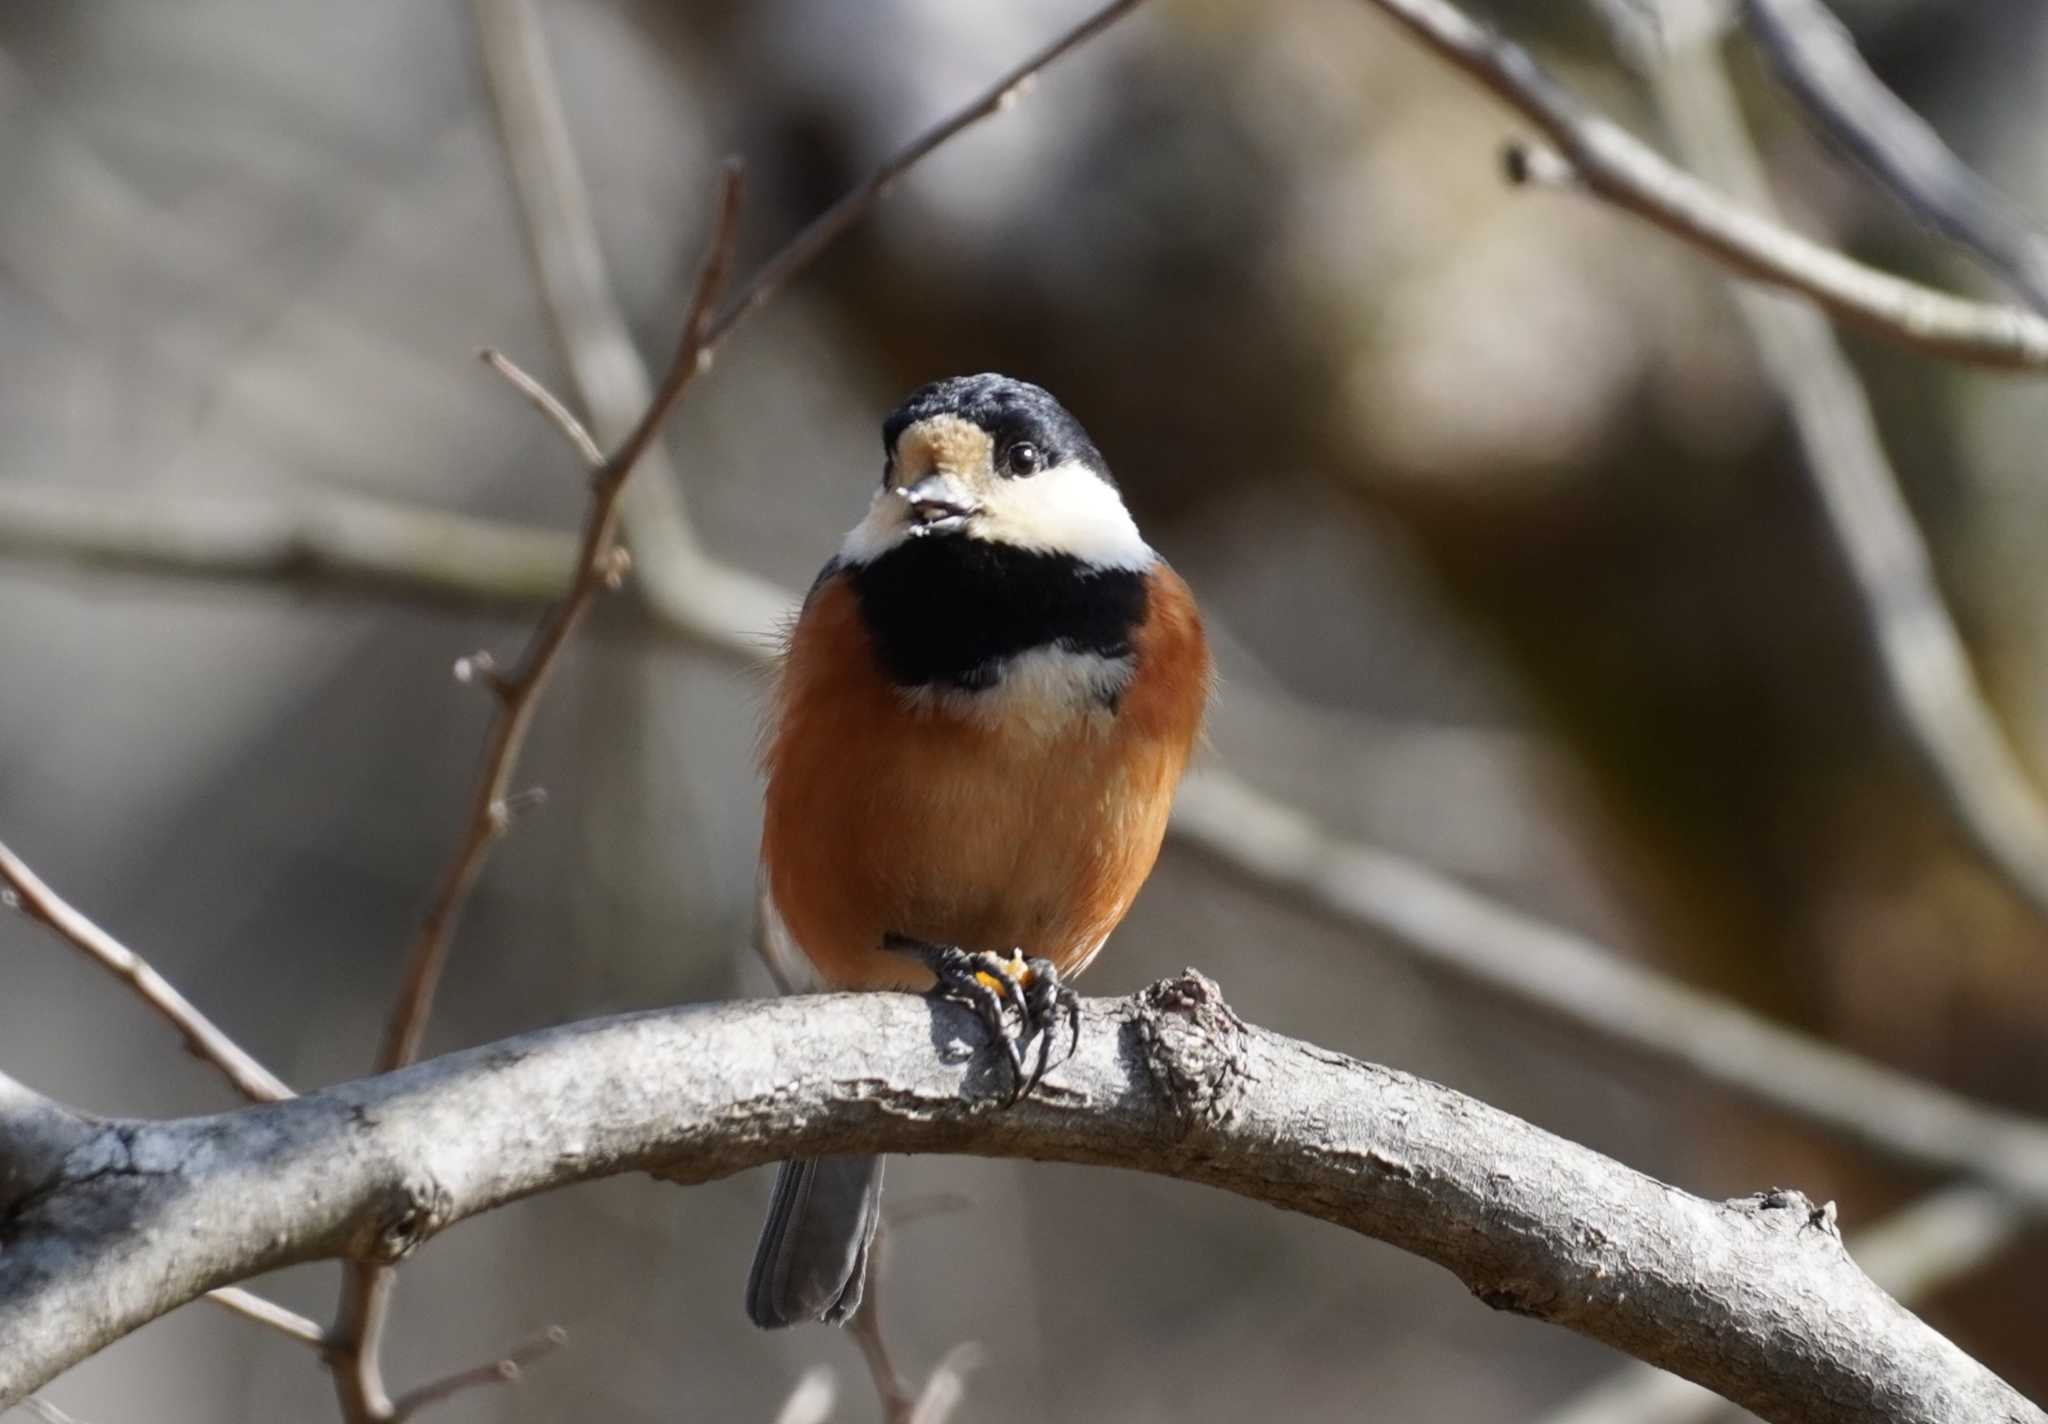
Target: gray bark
[{"x": 1754, "y": 1298}]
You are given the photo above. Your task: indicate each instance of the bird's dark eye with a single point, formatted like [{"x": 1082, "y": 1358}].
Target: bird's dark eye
[{"x": 1023, "y": 458}]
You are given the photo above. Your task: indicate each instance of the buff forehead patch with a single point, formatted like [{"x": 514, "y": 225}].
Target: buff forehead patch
[{"x": 942, "y": 442}]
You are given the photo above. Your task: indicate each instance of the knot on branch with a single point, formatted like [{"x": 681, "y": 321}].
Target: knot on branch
[
  {"x": 412, "y": 1211},
  {"x": 35, "y": 1138},
  {"x": 1787, "y": 1207},
  {"x": 1516, "y": 1295},
  {"x": 1195, "y": 1049}
]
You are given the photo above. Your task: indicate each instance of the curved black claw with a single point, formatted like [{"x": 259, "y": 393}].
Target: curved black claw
[
  {"x": 1030, "y": 986},
  {"x": 961, "y": 976},
  {"x": 1047, "y": 998}
]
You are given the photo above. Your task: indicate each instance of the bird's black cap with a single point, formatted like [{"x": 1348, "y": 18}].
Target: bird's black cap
[{"x": 1010, "y": 410}]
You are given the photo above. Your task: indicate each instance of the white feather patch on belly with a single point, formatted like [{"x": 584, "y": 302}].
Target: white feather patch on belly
[{"x": 1042, "y": 692}]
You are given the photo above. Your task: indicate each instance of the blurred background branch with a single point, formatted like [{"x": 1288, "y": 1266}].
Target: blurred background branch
[
  {"x": 1816, "y": 57},
  {"x": 1615, "y": 165},
  {"x": 1927, "y": 670}
]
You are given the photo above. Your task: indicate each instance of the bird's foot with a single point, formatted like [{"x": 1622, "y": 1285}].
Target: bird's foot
[{"x": 990, "y": 983}]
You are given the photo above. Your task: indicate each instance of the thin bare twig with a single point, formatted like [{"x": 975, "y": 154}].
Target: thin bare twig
[
  {"x": 1620, "y": 168},
  {"x": 678, "y": 580},
  {"x": 355, "y": 1352},
  {"x": 508, "y": 1368},
  {"x": 254, "y": 1307},
  {"x": 945, "y": 1388},
  {"x": 890, "y": 1386},
  {"x": 203, "y": 1038},
  {"x": 519, "y": 690},
  {"x": 356, "y": 1349},
  {"x": 48, "y": 1412},
  {"x": 898, "y": 1403},
  {"x": 548, "y": 404},
  {"x": 1816, "y": 58}
]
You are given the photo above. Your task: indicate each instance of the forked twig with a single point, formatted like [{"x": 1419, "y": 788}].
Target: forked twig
[
  {"x": 366, "y": 1287},
  {"x": 508, "y": 1368},
  {"x": 519, "y": 689}
]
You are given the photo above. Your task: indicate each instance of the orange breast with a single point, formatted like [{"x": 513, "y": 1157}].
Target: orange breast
[{"x": 887, "y": 812}]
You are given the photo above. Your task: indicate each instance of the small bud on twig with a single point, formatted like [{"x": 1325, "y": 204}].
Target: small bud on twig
[
  {"x": 477, "y": 667},
  {"x": 617, "y": 564}
]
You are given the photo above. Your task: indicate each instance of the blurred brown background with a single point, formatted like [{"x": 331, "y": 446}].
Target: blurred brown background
[{"x": 1512, "y": 562}]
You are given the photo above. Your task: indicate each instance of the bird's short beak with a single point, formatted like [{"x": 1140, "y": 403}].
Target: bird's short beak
[{"x": 936, "y": 504}]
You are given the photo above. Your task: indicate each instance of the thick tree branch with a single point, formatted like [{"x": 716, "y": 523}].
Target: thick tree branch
[
  {"x": 1816, "y": 57},
  {"x": 1614, "y": 164},
  {"x": 1755, "y": 1297},
  {"x": 36, "y": 1138},
  {"x": 1928, "y": 1245}
]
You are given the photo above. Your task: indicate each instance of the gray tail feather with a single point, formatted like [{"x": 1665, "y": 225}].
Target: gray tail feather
[{"x": 813, "y": 1258}]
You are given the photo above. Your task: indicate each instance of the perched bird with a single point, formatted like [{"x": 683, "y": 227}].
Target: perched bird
[{"x": 983, "y": 711}]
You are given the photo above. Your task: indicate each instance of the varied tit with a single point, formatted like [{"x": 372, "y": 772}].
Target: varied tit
[{"x": 984, "y": 709}]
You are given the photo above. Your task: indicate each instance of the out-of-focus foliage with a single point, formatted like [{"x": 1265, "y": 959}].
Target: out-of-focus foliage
[{"x": 1511, "y": 563}]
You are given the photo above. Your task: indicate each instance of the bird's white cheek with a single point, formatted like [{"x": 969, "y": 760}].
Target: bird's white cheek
[{"x": 1066, "y": 510}]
